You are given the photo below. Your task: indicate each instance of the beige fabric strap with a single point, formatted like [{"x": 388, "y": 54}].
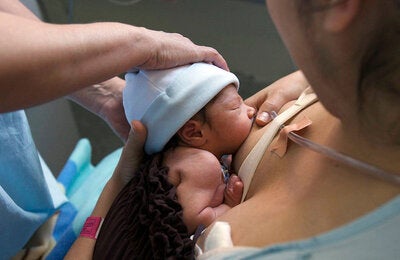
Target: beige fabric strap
[{"x": 250, "y": 164}]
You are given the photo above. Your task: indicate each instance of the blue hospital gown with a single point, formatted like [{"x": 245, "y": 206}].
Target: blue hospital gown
[{"x": 29, "y": 193}]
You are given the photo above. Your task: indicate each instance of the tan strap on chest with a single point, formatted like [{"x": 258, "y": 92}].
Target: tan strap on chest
[{"x": 250, "y": 163}]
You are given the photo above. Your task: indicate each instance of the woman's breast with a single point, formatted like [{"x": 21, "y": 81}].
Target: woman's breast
[
  {"x": 252, "y": 139},
  {"x": 271, "y": 164},
  {"x": 270, "y": 201}
]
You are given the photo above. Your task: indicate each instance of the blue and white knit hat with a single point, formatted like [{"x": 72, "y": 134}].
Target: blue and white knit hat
[{"x": 165, "y": 99}]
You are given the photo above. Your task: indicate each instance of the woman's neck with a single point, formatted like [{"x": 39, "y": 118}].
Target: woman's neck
[{"x": 356, "y": 144}]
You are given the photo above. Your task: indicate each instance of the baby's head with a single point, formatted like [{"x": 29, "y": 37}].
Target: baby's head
[{"x": 168, "y": 103}]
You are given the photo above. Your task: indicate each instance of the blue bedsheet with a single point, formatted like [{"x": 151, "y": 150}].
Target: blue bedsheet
[{"x": 83, "y": 183}]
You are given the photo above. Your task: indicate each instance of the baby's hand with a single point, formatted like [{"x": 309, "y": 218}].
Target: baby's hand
[{"x": 233, "y": 191}]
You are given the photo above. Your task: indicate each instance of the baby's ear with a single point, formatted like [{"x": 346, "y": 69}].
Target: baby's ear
[{"x": 191, "y": 133}]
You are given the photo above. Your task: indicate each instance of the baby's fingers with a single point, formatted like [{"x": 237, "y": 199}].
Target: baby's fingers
[{"x": 233, "y": 191}]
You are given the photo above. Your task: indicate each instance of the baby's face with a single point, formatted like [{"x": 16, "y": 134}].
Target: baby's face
[{"x": 230, "y": 120}]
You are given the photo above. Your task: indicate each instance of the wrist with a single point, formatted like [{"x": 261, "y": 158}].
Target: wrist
[{"x": 110, "y": 191}]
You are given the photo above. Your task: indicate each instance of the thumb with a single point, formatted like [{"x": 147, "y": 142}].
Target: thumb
[
  {"x": 265, "y": 101},
  {"x": 273, "y": 103},
  {"x": 132, "y": 153}
]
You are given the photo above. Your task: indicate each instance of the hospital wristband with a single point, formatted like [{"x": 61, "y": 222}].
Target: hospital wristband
[{"x": 91, "y": 228}]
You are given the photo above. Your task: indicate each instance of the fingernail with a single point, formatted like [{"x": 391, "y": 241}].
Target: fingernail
[{"x": 263, "y": 116}]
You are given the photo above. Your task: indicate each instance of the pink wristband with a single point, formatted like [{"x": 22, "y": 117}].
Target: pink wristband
[{"x": 91, "y": 228}]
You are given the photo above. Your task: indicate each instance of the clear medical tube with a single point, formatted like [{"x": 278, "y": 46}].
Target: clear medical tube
[
  {"x": 339, "y": 157},
  {"x": 364, "y": 167}
]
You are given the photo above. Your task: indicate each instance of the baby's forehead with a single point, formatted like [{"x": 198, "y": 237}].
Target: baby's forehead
[{"x": 229, "y": 91}]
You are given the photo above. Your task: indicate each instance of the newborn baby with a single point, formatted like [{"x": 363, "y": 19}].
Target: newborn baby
[{"x": 181, "y": 184}]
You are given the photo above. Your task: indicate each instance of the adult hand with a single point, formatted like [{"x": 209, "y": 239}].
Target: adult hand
[
  {"x": 168, "y": 50},
  {"x": 105, "y": 100},
  {"x": 129, "y": 161},
  {"x": 132, "y": 154},
  {"x": 274, "y": 96},
  {"x": 91, "y": 52}
]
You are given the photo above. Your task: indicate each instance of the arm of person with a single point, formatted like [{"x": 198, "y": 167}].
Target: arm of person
[
  {"x": 130, "y": 158},
  {"x": 105, "y": 100},
  {"x": 274, "y": 96},
  {"x": 42, "y": 61},
  {"x": 17, "y": 8}
]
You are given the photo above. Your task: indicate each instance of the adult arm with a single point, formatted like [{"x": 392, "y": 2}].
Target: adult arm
[
  {"x": 16, "y": 8},
  {"x": 42, "y": 61},
  {"x": 105, "y": 100},
  {"x": 274, "y": 96},
  {"x": 131, "y": 155}
]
